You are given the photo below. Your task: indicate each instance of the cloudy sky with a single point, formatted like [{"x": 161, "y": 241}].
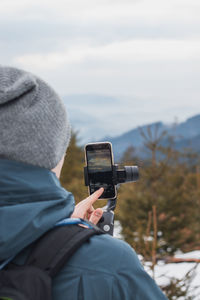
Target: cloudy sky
[{"x": 138, "y": 59}]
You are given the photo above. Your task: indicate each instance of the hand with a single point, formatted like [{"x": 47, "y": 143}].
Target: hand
[{"x": 85, "y": 209}]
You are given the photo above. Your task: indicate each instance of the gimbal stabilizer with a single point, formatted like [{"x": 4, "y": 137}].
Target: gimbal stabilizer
[{"x": 123, "y": 175}]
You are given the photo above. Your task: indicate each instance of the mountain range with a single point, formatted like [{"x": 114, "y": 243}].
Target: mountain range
[
  {"x": 185, "y": 134},
  {"x": 93, "y": 116}
]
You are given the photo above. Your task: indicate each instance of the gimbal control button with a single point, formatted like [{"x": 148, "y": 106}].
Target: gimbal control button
[{"x": 106, "y": 228}]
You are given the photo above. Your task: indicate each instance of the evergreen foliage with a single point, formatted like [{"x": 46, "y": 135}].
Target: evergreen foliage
[
  {"x": 72, "y": 175},
  {"x": 170, "y": 185}
]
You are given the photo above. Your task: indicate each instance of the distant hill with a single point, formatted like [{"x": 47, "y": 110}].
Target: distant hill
[
  {"x": 95, "y": 116},
  {"x": 186, "y": 135}
]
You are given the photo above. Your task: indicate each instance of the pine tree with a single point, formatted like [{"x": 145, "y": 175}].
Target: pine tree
[
  {"x": 72, "y": 176},
  {"x": 165, "y": 199}
]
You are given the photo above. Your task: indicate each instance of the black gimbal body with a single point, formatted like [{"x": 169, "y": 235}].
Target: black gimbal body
[{"x": 120, "y": 175}]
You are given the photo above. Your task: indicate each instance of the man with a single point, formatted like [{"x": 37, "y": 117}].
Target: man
[{"x": 34, "y": 135}]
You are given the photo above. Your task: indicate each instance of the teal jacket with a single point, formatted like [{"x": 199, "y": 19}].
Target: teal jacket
[{"x": 32, "y": 201}]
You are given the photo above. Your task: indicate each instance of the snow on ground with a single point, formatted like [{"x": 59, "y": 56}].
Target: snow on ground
[{"x": 176, "y": 270}]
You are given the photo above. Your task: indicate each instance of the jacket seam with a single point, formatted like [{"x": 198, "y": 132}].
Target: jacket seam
[{"x": 92, "y": 270}]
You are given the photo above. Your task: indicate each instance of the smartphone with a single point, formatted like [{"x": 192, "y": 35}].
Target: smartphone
[{"x": 99, "y": 160}]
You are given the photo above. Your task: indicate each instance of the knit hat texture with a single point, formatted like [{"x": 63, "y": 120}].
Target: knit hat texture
[{"x": 34, "y": 127}]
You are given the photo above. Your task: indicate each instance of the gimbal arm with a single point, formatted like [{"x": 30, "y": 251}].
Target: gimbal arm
[{"x": 120, "y": 175}]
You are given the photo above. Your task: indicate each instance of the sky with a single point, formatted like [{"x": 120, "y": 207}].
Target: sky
[{"x": 143, "y": 56}]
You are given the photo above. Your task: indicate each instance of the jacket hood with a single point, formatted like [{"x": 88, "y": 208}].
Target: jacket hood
[{"x": 32, "y": 201}]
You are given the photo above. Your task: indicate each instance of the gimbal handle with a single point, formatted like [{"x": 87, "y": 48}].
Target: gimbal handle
[{"x": 106, "y": 223}]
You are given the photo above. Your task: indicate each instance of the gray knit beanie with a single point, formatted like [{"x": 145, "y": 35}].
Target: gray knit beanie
[{"x": 34, "y": 127}]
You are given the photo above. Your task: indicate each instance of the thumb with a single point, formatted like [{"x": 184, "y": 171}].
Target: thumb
[{"x": 96, "y": 216}]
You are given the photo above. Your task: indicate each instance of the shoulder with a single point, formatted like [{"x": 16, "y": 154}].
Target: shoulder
[
  {"x": 92, "y": 272},
  {"x": 104, "y": 254},
  {"x": 105, "y": 268}
]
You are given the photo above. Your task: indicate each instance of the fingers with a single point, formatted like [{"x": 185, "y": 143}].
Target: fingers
[
  {"x": 90, "y": 211},
  {"x": 84, "y": 208},
  {"x": 96, "y": 216},
  {"x": 95, "y": 196}
]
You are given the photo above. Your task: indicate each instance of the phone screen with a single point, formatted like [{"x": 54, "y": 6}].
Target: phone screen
[{"x": 100, "y": 169}]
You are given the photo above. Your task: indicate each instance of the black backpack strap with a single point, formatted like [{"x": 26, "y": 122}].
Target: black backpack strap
[{"x": 55, "y": 247}]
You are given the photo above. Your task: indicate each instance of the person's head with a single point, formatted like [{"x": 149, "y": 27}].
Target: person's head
[{"x": 34, "y": 127}]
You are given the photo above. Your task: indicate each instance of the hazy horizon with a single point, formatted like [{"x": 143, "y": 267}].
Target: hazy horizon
[
  {"x": 143, "y": 54},
  {"x": 87, "y": 119}
]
